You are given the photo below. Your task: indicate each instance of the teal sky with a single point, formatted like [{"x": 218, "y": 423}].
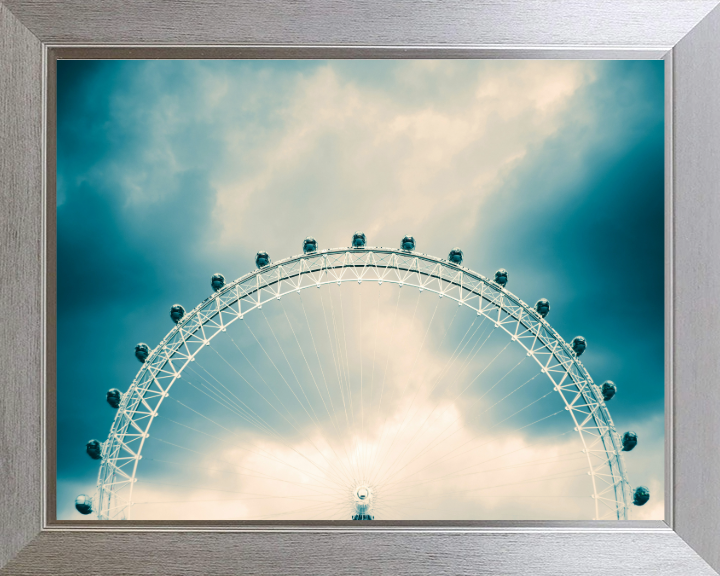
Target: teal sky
[{"x": 170, "y": 171}]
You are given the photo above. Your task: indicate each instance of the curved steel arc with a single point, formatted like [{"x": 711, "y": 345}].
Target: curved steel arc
[{"x": 164, "y": 365}]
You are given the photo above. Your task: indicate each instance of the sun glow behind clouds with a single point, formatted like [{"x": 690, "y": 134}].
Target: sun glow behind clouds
[{"x": 449, "y": 152}]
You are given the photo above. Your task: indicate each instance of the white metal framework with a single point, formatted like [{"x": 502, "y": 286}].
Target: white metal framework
[{"x": 581, "y": 396}]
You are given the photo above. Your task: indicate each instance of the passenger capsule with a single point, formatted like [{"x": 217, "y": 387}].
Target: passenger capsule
[
  {"x": 578, "y": 345},
  {"x": 217, "y": 281},
  {"x": 542, "y": 307},
  {"x": 262, "y": 259},
  {"x": 94, "y": 449},
  {"x": 641, "y": 495},
  {"x": 407, "y": 243},
  {"x": 456, "y": 256},
  {"x": 176, "y": 313},
  {"x": 142, "y": 351},
  {"x": 501, "y": 277},
  {"x": 629, "y": 441},
  {"x": 608, "y": 390},
  {"x": 358, "y": 240},
  {"x": 310, "y": 245},
  {"x": 114, "y": 397},
  {"x": 83, "y": 504}
]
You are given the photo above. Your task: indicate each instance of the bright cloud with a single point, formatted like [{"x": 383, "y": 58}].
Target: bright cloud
[{"x": 374, "y": 148}]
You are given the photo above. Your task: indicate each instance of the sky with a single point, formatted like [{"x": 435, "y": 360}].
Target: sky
[{"x": 170, "y": 171}]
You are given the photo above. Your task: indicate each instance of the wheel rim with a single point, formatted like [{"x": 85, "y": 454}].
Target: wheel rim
[{"x": 582, "y": 398}]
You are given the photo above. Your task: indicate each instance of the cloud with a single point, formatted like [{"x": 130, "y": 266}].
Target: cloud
[
  {"x": 370, "y": 161},
  {"x": 267, "y": 480},
  {"x": 171, "y": 171}
]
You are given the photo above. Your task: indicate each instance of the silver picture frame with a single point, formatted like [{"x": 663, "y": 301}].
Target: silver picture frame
[{"x": 33, "y": 35}]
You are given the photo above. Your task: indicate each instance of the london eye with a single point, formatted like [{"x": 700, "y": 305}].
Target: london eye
[{"x": 361, "y": 383}]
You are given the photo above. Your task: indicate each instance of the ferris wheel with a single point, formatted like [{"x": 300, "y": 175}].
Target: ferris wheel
[{"x": 361, "y": 383}]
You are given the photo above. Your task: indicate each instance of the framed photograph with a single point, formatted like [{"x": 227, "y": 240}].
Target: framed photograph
[
  {"x": 313, "y": 297},
  {"x": 371, "y": 380}
]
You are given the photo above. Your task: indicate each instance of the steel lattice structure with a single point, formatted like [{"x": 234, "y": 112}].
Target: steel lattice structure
[{"x": 583, "y": 399}]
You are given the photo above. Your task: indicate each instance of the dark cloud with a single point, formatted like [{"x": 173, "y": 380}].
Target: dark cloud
[{"x": 580, "y": 221}]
